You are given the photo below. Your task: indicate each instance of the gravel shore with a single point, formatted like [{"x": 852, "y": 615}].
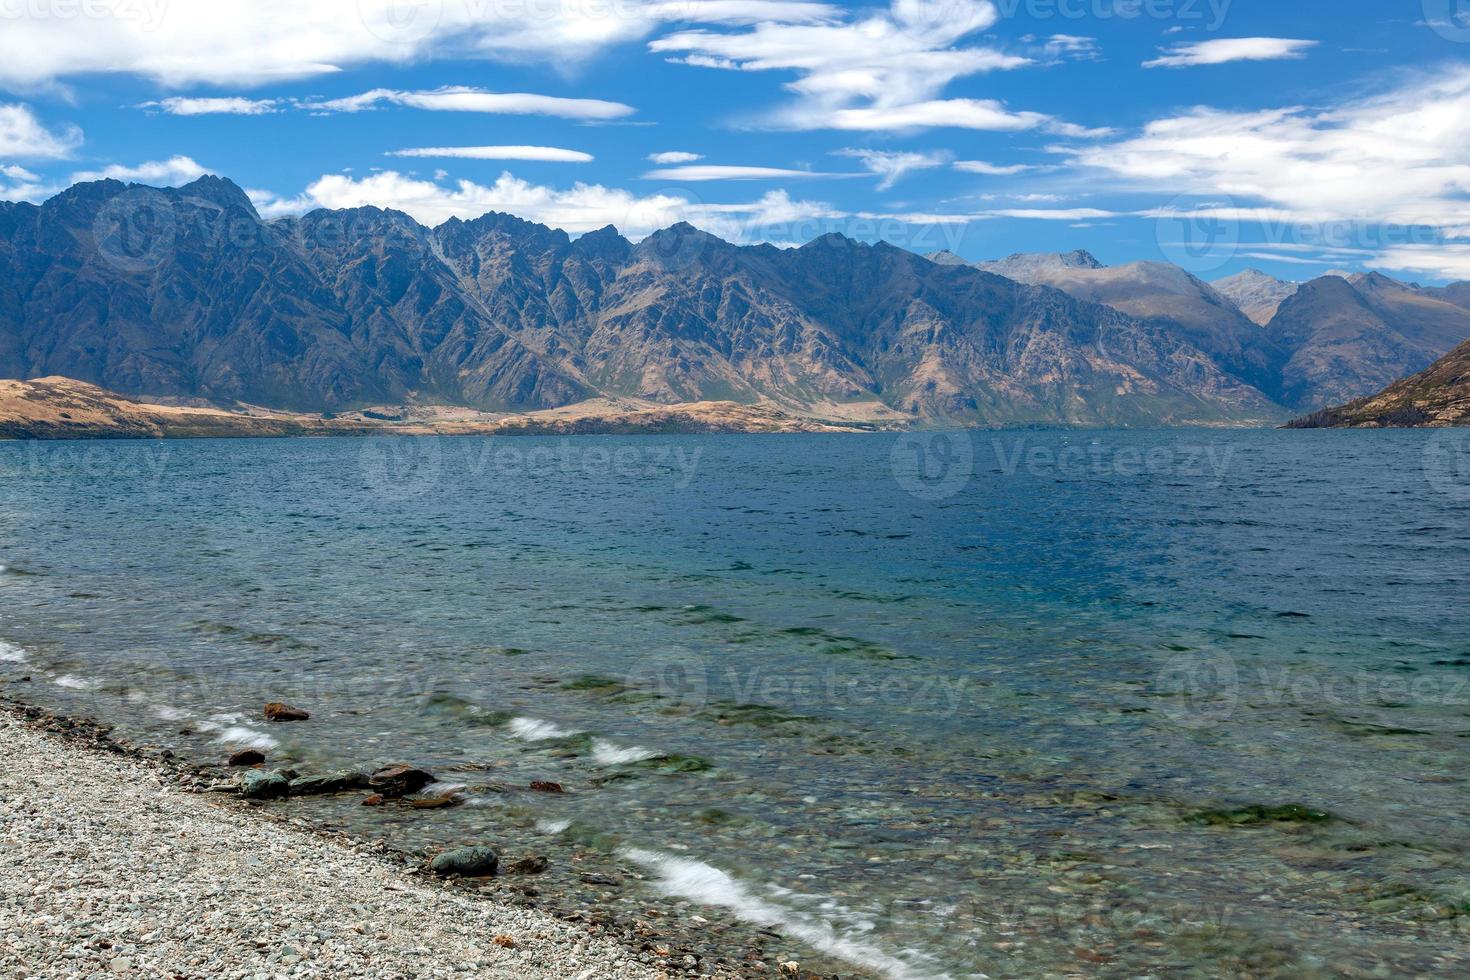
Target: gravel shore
[{"x": 109, "y": 869}]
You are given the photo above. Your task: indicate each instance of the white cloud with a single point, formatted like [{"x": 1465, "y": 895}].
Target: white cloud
[
  {"x": 549, "y": 154},
  {"x": 708, "y": 172},
  {"x": 1065, "y": 214},
  {"x": 166, "y": 173},
  {"x": 578, "y": 209},
  {"x": 255, "y": 42},
  {"x": 1439, "y": 261},
  {"x": 22, "y": 136},
  {"x": 459, "y": 98},
  {"x": 674, "y": 157},
  {"x": 873, "y": 71},
  {"x": 1224, "y": 50},
  {"x": 230, "y": 106},
  {"x": 19, "y": 184},
  {"x": 893, "y": 166},
  {"x": 1401, "y": 157},
  {"x": 990, "y": 169}
]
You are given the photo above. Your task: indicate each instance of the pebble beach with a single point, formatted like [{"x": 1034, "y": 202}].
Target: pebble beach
[{"x": 112, "y": 870}]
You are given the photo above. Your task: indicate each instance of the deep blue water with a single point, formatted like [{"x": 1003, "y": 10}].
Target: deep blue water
[{"x": 948, "y": 705}]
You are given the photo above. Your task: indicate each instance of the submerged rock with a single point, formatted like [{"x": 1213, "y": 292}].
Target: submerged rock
[
  {"x": 331, "y": 782},
  {"x": 277, "y": 711},
  {"x": 467, "y": 862},
  {"x": 541, "y": 786},
  {"x": 247, "y": 757},
  {"x": 533, "y": 865},
  {"x": 257, "y": 784},
  {"x": 399, "y": 779},
  {"x": 1241, "y": 816}
]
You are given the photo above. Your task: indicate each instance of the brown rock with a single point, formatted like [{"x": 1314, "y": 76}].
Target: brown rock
[
  {"x": 505, "y": 942},
  {"x": 247, "y": 757},
  {"x": 374, "y": 800},
  {"x": 432, "y": 802},
  {"x": 533, "y": 865},
  {"x": 399, "y": 779},
  {"x": 543, "y": 787},
  {"x": 277, "y": 711}
]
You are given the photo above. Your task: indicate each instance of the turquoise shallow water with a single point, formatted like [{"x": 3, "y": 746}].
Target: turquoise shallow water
[{"x": 973, "y": 704}]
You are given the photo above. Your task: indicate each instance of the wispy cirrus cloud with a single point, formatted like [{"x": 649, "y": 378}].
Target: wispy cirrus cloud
[
  {"x": 893, "y": 166},
  {"x": 710, "y": 172},
  {"x": 460, "y": 98},
  {"x": 873, "y": 70},
  {"x": 1222, "y": 51},
  {"x": 547, "y": 154},
  {"x": 227, "y": 106},
  {"x": 990, "y": 169},
  {"x": 1401, "y": 156}
]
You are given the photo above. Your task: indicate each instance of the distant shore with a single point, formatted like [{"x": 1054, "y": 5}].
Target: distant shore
[
  {"x": 118, "y": 863},
  {"x": 64, "y": 409}
]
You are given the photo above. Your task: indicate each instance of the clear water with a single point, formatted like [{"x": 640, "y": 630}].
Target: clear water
[{"x": 940, "y": 706}]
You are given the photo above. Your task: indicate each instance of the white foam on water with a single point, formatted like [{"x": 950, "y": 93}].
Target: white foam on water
[
  {"x": 605, "y": 753},
  {"x": 553, "y": 827},
  {"x": 169, "y": 713},
  {"x": 74, "y": 683},
  {"x": 536, "y": 730},
  {"x": 9, "y": 652},
  {"x": 439, "y": 788},
  {"x": 704, "y": 883},
  {"x": 239, "y": 736}
]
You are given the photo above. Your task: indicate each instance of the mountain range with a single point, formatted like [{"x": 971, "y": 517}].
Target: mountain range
[{"x": 187, "y": 293}]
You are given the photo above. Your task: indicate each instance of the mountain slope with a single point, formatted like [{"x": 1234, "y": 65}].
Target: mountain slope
[
  {"x": 1255, "y": 294},
  {"x": 1166, "y": 296},
  {"x": 1436, "y": 397},
  {"x": 1351, "y": 338}
]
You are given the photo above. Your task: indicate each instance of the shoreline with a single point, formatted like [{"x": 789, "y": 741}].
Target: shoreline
[{"x": 69, "y": 779}]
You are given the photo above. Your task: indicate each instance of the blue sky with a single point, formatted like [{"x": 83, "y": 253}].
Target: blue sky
[{"x": 1220, "y": 134}]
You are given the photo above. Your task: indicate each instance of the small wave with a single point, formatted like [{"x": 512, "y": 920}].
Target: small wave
[
  {"x": 536, "y": 730},
  {"x": 441, "y": 788},
  {"x": 245, "y": 738},
  {"x": 169, "y": 713},
  {"x": 553, "y": 827},
  {"x": 700, "y": 882},
  {"x": 74, "y": 683},
  {"x": 11, "y": 654},
  {"x": 605, "y": 753}
]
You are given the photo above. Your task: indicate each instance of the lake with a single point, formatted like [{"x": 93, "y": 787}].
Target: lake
[{"x": 938, "y": 705}]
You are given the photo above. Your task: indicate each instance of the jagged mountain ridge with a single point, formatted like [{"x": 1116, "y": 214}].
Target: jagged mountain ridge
[{"x": 187, "y": 292}]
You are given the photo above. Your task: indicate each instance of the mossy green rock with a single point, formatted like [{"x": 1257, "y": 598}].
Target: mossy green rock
[
  {"x": 257, "y": 784},
  {"x": 467, "y": 862},
  {"x": 331, "y": 782}
]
